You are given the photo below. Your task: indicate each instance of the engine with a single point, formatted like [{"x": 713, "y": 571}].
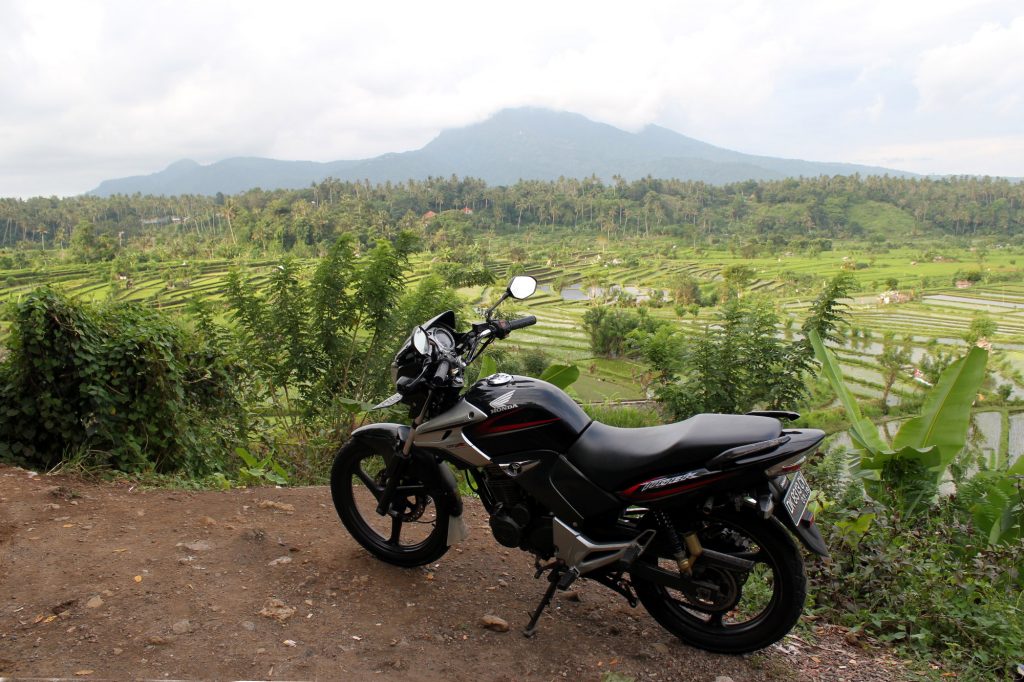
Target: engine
[{"x": 516, "y": 520}]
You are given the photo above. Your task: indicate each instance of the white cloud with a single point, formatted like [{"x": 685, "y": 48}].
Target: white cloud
[
  {"x": 95, "y": 89},
  {"x": 984, "y": 74},
  {"x": 962, "y": 156}
]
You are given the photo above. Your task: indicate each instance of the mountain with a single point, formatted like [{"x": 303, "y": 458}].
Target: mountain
[{"x": 514, "y": 144}]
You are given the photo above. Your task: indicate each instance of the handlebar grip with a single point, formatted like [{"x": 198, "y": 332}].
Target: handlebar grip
[
  {"x": 441, "y": 374},
  {"x": 522, "y": 322}
]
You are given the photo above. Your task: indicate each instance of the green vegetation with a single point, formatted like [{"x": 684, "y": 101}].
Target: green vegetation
[
  {"x": 237, "y": 340},
  {"x": 117, "y": 385},
  {"x": 734, "y": 364},
  {"x": 897, "y": 580}
]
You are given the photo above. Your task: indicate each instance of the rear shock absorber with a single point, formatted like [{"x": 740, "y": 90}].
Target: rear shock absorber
[{"x": 684, "y": 559}]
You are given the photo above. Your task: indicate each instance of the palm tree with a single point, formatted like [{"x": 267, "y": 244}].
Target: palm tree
[{"x": 229, "y": 211}]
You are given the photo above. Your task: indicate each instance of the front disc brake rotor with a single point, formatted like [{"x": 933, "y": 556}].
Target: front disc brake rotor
[{"x": 413, "y": 509}]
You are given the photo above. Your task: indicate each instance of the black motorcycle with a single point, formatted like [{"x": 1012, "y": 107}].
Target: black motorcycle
[{"x": 689, "y": 519}]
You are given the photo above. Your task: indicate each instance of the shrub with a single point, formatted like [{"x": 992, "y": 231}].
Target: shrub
[
  {"x": 122, "y": 383},
  {"x": 609, "y": 328},
  {"x": 535, "y": 361},
  {"x": 927, "y": 589},
  {"x": 939, "y": 577},
  {"x": 733, "y": 365}
]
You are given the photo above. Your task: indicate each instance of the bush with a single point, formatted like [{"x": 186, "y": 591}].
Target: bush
[
  {"x": 121, "y": 384},
  {"x": 936, "y": 576},
  {"x": 535, "y": 361},
  {"x": 609, "y": 328},
  {"x": 734, "y": 365},
  {"x": 927, "y": 589}
]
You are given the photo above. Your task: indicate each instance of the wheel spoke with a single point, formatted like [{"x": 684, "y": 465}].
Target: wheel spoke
[
  {"x": 756, "y": 557},
  {"x": 716, "y": 619},
  {"x": 396, "y": 529},
  {"x": 368, "y": 481}
]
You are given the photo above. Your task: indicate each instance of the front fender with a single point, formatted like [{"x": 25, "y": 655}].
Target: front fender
[
  {"x": 384, "y": 439},
  {"x": 387, "y": 440}
]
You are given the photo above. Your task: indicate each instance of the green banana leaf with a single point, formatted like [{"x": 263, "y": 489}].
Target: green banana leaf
[
  {"x": 862, "y": 431},
  {"x": 996, "y": 503},
  {"x": 907, "y": 474},
  {"x": 487, "y": 366},
  {"x": 929, "y": 457},
  {"x": 946, "y": 412},
  {"x": 561, "y": 376},
  {"x": 906, "y": 478}
]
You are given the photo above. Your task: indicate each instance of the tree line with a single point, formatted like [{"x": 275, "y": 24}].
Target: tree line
[{"x": 781, "y": 210}]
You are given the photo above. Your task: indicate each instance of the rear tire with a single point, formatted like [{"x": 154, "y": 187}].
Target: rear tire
[
  {"x": 764, "y": 603},
  {"x": 416, "y": 535}
]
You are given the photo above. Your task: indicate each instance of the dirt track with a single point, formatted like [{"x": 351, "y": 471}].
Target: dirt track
[{"x": 104, "y": 581}]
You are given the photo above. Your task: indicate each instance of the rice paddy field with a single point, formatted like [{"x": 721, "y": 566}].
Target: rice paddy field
[{"x": 576, "y": 275}]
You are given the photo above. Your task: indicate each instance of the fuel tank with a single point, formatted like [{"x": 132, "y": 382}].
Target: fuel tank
[{"x": 523, "y": 414}]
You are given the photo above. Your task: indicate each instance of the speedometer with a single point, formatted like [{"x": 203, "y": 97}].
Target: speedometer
[{"x": 443, "y": 338}]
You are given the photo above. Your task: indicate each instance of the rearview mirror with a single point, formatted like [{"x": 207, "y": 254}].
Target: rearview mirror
[
  {"x": 522, "y": 286},
  {"x": 419, "y": 341}
]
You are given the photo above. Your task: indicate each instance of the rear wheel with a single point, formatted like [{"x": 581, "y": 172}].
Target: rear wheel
[
  {"x": 725, "y": 609},
  {"x": 415, "y": 533}
]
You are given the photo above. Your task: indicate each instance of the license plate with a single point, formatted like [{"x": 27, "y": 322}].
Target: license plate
[{"x": 797, "y": 495}]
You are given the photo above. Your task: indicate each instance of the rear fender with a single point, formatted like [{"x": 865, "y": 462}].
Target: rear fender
[
  {"x": 387, "y": 440},
  {"x": 806, "y": 530}
]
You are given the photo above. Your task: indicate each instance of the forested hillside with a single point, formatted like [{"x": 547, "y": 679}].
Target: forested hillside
[{"x": 767, "y": 212}]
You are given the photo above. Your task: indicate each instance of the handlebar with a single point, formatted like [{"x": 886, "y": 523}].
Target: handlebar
[
  {"x": 441, "y": 373},
  {"x": 504, "y": 327},
  {"x": 482, "y": 332},
  {"x": 522, "y": 322}
]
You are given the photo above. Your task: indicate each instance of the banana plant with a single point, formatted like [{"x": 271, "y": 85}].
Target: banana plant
[
  {"x": 561, "y": 376},
  {"x": 908, "y": 471},
  {"x": 996, "y": 501}
]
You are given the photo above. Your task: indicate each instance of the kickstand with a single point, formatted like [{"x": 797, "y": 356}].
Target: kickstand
[{"x": 559, "y": 579}]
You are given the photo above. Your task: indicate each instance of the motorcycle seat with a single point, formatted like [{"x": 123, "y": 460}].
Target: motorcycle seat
[{"x": 614, "y": 457}]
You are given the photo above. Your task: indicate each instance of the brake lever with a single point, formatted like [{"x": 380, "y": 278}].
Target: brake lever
[{"x": 405, "y": 384}]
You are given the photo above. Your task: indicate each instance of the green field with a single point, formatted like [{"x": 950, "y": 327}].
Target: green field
[{"x": 579, "y": 266}]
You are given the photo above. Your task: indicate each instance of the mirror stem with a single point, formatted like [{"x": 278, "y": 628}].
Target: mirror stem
[{"x": 487, "y": 315}]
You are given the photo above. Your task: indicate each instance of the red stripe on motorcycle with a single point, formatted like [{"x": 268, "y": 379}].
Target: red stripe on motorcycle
[{"x": 487, "y": 429}]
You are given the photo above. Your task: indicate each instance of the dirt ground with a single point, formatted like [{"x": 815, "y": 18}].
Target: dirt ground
[{"x": 106, "y": 581}]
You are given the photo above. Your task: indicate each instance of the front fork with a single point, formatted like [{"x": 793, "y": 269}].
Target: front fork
[
  {"x": 395, "y": 471},
  {"x": 399, "y": 464}
]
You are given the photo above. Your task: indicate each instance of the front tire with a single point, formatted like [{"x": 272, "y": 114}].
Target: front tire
[
  {"x": 749, "y": 611},
  {"x": 417, "y": 532}
]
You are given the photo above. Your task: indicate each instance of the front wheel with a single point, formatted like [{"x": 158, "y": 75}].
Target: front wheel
[
  {"x": 413, "y": 534},
  {"x": 724, "y": 609}
]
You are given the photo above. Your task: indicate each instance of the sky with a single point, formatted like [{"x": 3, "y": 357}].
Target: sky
[{"x": 92, "y": 90}]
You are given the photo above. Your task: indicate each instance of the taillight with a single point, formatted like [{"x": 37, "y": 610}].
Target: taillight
[{"x": 787, "y": 466}]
